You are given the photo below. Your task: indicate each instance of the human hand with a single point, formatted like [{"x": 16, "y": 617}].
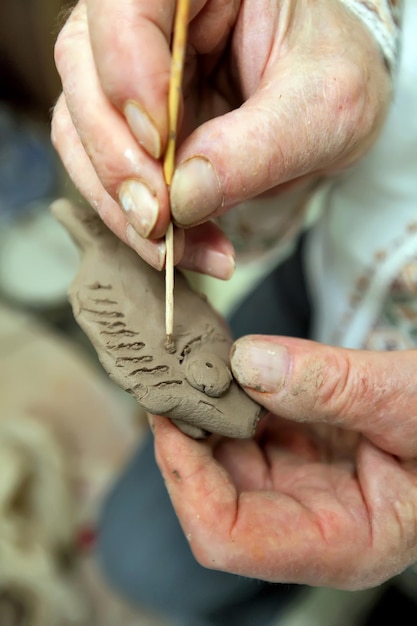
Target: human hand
[
  {"x": 326, "y": 493},
  {"x": 273, "y": 94}
]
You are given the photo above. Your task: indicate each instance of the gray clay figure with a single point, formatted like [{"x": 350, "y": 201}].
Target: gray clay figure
[{"x": 119, "y": 302}]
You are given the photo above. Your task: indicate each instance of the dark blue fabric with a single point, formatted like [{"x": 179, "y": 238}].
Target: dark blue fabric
[{"x": 279, "y": 305}]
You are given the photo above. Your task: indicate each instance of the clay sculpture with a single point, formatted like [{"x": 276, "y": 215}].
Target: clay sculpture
[{"x": 119, "y": 302}]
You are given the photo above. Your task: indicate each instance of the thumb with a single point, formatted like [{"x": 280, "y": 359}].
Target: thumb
[
  {"x": 294, "y": 125},
  {"x": 369, "y": 392},
  {"x": 239, "y": 155}
]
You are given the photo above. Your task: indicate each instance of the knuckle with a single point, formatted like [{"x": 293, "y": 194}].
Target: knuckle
[
  {"x": 60, "y": 48},
  {"x": 66, "y": 42},
  {"x": 356, "y": 101},
  {"x": 62, "y": 45},
  {"x": 60, "y": 123},
  {"x": 207, "y": 556},
  {"x": 341, "y": 386}
]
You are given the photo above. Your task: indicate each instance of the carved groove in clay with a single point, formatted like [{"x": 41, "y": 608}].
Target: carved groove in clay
[{"x": 119, "y": 301}]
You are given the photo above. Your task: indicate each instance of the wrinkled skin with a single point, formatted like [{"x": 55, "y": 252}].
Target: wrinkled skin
[
  {"x": 326, "y": 494},
  {"x": 275, "y": 93}
]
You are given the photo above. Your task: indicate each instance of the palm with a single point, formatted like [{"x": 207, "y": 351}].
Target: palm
[
  {"x": 309, "y": 479},
  {"x": 293, "y": 505}
]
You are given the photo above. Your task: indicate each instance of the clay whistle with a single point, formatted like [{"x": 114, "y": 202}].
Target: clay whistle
[{"x": 119, "y": 302}]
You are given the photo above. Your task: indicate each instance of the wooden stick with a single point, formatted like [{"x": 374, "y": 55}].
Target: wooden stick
[
  {"x": 177, "y": 68},
  {"x": 169, "y": 288}
]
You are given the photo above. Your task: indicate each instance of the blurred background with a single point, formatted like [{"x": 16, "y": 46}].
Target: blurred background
[
  {"x": 65, "y": 430},
  {"x": 30, "y": 173}
]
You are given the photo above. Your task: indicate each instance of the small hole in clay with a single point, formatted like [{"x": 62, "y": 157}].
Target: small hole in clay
[{"x": 209, "y": 364}]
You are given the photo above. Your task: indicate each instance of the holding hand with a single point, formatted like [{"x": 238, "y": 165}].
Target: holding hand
[
  {"x": 273, "y": 94},
  {"x": 326, "y": 494}
]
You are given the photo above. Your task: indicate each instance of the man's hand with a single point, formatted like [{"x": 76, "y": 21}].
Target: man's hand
[
  {"x": 273, "y": 93},
  {"x": 326, "y": 494}
]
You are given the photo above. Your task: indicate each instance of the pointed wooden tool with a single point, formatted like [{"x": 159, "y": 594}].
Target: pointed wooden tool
[{"x": 177, "y": 67}]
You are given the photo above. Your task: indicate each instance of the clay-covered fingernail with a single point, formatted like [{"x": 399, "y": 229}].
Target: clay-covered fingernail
[
  {"x": 195, "y": 192},
  {"x": 140, "y": 206},
  {"x": 151, "y": 251},
  {"x": 259, "y": 364},
  {"x": 143, "y": 128}
]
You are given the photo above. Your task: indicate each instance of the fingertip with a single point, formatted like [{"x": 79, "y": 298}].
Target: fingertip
[
  {"x": 210, "y": 262},
  {"x": 145, "y": 207},
  {"x": 161, "y": 424},
  {"x": 207, "y": 250},
  {"x": 151, "y": 251},
  {"x": 172, "y": 446},
  {"x": 163, "y": 430},
  {"x": 140, "y": 206},
  {"x": 260, "y": 364}
]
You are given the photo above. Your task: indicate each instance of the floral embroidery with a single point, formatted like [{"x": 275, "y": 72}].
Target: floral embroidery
[{"x": 396, "y": 328}]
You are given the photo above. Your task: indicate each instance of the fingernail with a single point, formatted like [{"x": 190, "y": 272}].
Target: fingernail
[
  {"x": 143, "y": 128},
  {"x": 151, "y": 251},
  {"x": 195, "y": 192},
  {"x": 211, "y": 262},
  {"x": 140, "y": 206},
  {"x": 259, "y": 364}
]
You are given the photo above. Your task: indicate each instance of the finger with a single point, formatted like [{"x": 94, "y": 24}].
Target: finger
[
  {"x": 135, "y": 35},
  {"x": 79, "y": 167},
  {"x": 369, "y": 392},
  {"x": 207, "y": 250},
  {"x": 389, "y": 488},
  {"x": 245, "y": 463},
  {"x": 126, "y": 171}
]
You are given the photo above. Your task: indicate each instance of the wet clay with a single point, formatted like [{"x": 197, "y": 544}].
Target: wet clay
[{"x": 119, "y": 302}]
